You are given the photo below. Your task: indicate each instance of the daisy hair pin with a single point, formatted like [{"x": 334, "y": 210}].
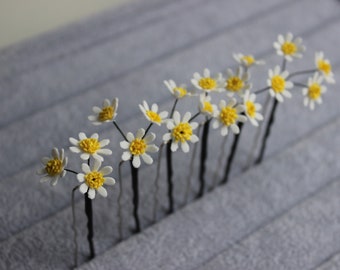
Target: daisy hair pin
[{"x": 225, "y": 103}]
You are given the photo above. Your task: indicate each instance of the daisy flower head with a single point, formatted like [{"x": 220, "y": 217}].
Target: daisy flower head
[
  {"x": 247, "y": 60},
  {"x": 314, "y": 91},
  {"x": 251, "y": 108},
  {"x": 94, "y": 178},
  {"x": 137, "y": 147},
  {"x": 324, "y": 66},
  {"x": 289, "y": 47},
  {"x": 177, "y": 91},
  {"x": 237, "y": 82},
  {"x": 53, "y": 167},
  {"x": 90, "y": 147},
  {"x": 278, "y": 84},
  {"x": 207, "y": 83},
  {"x": 181, "y": 132},
  {"x": 152, "y": 114},
  {"x": 106, "y": 113},
  {"x": 206, "y": 107},
  {"x": 228, "y": 117}
]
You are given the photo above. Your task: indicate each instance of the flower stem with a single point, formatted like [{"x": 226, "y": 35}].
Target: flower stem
[
  {"x": 204, "y": 153},
  {"x": 155, "y": 207},
  {"x": 134, "y": 175},
  {"x": 120, "y": 131},
  {"x": 267, "y": 133},
  {"x": 169, "y": 178},
  {"x": 302, "y": 72},
  {"x": 119, "y": 199},
  {"x": 300, "y": 84},
  {"x": 262, "y": 90},
  {"x": 173, "y": 108},
  {"x": 194, "y": 116},
  {"x": 74, "y": 227},
  {"x": 232, "y": 155},
  {"x": 89, "y": 214},
  {"x": 71, "y": 171},
  {"x": 147, "y": 130}
]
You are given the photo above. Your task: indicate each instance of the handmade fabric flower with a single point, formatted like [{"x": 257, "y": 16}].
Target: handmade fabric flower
[
  {"x": 228, "y": 117},
  {"x": 207, "y": 83},
  {"x": 106, "y": 113},
  {"x": 289, "y": 47},
  {"x": 152, "y": 114},
  {"x": 314, "y": 91},
  {"x": 138, "y": 147},
  {"x": 237, "y": 83},
  {"x": 88, "y": 147},
  {"x": 324, "y": 66},
  {"x": 94, "y": 179},
  {"x": 54, "y": 167},
  {"x": 206, "y": 107},
  {"x": 251, "y": 108},
  {"x": 247, "y": 60},
  {"x": 181, "y": 132},
  {"x": 278, "y": 84},
  {"x": 177, "y": 91}
]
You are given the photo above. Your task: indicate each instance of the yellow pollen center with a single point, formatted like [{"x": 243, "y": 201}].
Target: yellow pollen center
[
  {"x": 234, "y": 84},
  {"x": 180, "y": 91},
  {"x": 248, "y": 59},
  {"x": 207, "y": 83},
  {"x": 324, "y": 66},
  {"x": 251, "y": 110},
  {"x": 137, "y": 147},
  {"x": 182, "y": 132},
  {"x": 89, "y": 145},
  {"x": 94, "y": 180},
  {"x": 314, "y": 91},
  {"x": 154, "y": 117},
  {"x": 228, "y": 116},
  {"x": 278, "y": 84},
  {"x": 54, "y": 167},
  {"x": 288, "y": 48},
  {"x": 106, "y": 114},
  {"x": 207, "y": 107}
]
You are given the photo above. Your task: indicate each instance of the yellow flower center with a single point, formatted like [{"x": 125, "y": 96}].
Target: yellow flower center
[
  {"x": 54, "y": 167},
  {"x": 251, "y": 110},
  {"x": 314, "y": 91},
  {"x": 89, "y": 145},
  {"x": 154, "y": 117},
  {"x": 234, "y": 84},
  {"x": 207, "y": 83},
  {"x": 137, "y": 147},
  {"x": 324, "y": 66},
  {"x": 106, "y": 114},
  {"x": 248, "y": 59},
  {"x": 207, "y": 107},
  {"x": 181, "y": 91},
  {"x": 278, "y": 84},
  {"x": 94, "y": 180},
  {"x": 228, "y": 116},
  {"x": 182, "y": 132},
  {"x": 288, "y": 48}
]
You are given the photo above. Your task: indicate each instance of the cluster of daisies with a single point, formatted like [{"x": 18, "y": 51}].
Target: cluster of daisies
[{"x": 235, "y": 104}]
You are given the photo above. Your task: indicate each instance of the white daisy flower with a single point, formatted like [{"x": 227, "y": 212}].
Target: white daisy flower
[
  {"x": 88, "y": 147},
  {"x": 325, "y": 67},
  {"x": 138, "y": 147},
  {"x": 278, "y": 84},
  {"x": 177, "y": 91},
  {"x": 54, "y": 167},
  {"x": 228, "y": 117},
  {"x": 181, "y": 132},
  {"x": 207, "y": 83},
  {"x": 206, "y": 107},
  {"x": 314, "y": 91},
  {"x": 237, "y": 82},
  {"x": 94, "y": 179},
  {"x": 247, "y": 60},
  {"x": 289, "y": 47},
  {"x": 251, "y": 108},
  {"x": 152, "y": 114},
  {"x": 106, "y": 113}
]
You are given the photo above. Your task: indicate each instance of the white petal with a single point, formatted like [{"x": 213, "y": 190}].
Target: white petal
[
  {"x": 95, "y": 136},
  {"x": 104, "y": 151},
  {"x": 224, "y": 131},
  {"x": 98, "y": 157},
  {"x": 136, "y": 161},
  {"x": 82, "y": 136},
  {"x": 235, "y": 129},
  {"x": 124, "y": 144},
  {"x": 80, "y": 177},
  {"x": 186, "y": 117},
  {"x": 109, "y": 181},
  {"x": 130, "y": 136},
  {"x": 126, "y": 156},
  {"x": 102, "y": 191},
  {"x": 149, "y": 138},
  {"x": 84, "y": 156},
  {"x": 194, "y": 138},
  {"x": 194, "y": 125},
  {"x": 170, "y": 124},
  {"x": 91, "y": 193},
  {"x": 104, "y": 142},
  {"x": 83, "y": 188},
  {"x": 86, "y": 169},
  {"x": 45, "y": 160},
  {"x": 55, "y": 153},
  {"x": 106, "y": 170},
  {"x": 185, "y": 147},
  {"x": 75, "y": 149},
  {"x": 176, "y": 117},
  {"x": 152, "y": 148},
  {"x": 174, "y": 146},
  {"x": 154, "y": 107},
  {"x": 147, "y": 159},
  {"x": 96, "y": 165},
  {"x": 44, "y": 179},
  {"x": 140, "y": 133}
]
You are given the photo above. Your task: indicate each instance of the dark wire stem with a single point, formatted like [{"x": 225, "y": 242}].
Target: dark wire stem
[
  {"x": 299, "y": 84},
  {"x": 120, "y": 131},
  {"x": 74, "y": 227},
  {"x": 89, "y": 215},
  {"x": 232, "y": 155},
  {"x": 155, "y": 205},
  {"x": 267, "y": 133},
  {"x": 119, "y": 199},
  {"x": 194, "y": 116},
  {"x": 302, "y": 72},
  {"x": 173, "y": 108},
  {"x": 220, "y": 161},
  {"x": 204, "y": 154},
  {"x": 262, "y": 90},
  {"x": 284, "y": 63},
  {"x": 169, "y": 176},
  {"x": 135, "y": 200},
  {"x": 71, "y": 171},
  {"x": 147, "y": 130}
]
